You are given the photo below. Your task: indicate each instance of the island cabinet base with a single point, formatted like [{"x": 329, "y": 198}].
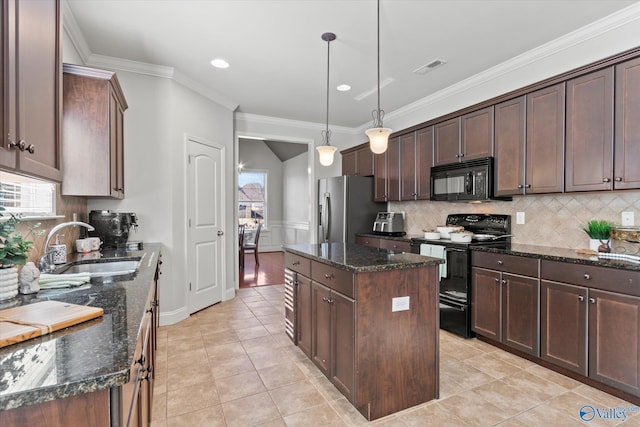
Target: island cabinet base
[
  {"x": 396, "y": 351},
  {"x": 89, "y": 409},
  {"x": 375, "y": 330}
]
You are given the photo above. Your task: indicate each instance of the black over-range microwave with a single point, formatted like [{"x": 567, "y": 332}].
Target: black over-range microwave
[{"x": 470, "y": 181}]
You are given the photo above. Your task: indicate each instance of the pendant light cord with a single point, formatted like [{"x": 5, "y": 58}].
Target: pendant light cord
[
  {"x": 328, "y": 37},
  {"x": 378, "y": 114}
]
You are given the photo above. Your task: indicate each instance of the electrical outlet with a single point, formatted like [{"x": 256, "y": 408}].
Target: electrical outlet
[
  {"x": 627, "y": 218},
  {"x": 519, "y": 217}
]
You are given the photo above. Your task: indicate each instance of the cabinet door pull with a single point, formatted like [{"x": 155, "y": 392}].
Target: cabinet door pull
[
  {"x": 580, "y": 298},
  {"x": 618, "y": 179},
  {"x": 504, "y": 282},
  {"x": 325, "y": 299},
  {"x": 330, "y": 300},
  {"x": 31, "y": 148},
  {"x": 592, "y": 300},
  {"x": 295, "y": 263},
  {"x": 527, "y": 186},
  {"x": 520, "y": 186},
  {"x": 497, "y": 280},
  {"x": 22, "y": 145},
  {"x": 606, "y": 179},
  {"x": 12, "y": 144},
  {"x": 587, "y": 277},
  {"x": 328, "y": 276},
  {"x": 499, "y": 262}
]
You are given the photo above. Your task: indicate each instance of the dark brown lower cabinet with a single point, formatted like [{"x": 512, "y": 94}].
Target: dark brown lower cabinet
[
  {"x": 614, "y": 340},
  {"x": 303, "y": 315},
  {"x": 333, "y": 332},
  {"x": 563, "y": 325},
  {"x": 505, "y": 308}
]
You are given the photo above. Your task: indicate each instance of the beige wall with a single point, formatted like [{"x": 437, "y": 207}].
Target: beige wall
[{"x": 551, "y": 220}]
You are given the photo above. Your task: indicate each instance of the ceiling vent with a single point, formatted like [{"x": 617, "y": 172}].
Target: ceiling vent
[{"x": 430, "y": 66}]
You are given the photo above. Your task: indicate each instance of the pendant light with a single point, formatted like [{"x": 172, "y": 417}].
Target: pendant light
[
  {"x": 326, "y": 151},
  {"x": 378, "y": 134}
]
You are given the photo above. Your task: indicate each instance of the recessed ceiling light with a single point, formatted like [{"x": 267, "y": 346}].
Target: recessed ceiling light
[
  {"x": 220, "y": 63},
  {"x": 343, "y": 87}
]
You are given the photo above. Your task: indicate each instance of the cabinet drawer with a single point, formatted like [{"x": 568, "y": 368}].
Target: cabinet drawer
[
  {"x": 297, "y": 263},
  {"x": 395, "y": 245},
  {"x": 523, "y": 266},
  {"x": 334, "y": 278},
  {"x": 374, "y": 242},
  {"x": 608, "y": 279}
]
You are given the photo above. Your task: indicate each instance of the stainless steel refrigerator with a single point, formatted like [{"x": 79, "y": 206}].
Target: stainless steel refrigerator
[{"x": 345, "y": 208}]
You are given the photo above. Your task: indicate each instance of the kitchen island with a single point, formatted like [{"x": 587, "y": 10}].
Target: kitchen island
[
  {"x": 85, "y": 374},
  {"x": 369, "y": 319}
]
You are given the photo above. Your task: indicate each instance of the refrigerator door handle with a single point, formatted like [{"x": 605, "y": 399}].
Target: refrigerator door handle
[{"x": 327, "y": 216}]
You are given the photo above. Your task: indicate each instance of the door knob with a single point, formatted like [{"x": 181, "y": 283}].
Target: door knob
[{"x": 220, "y": 232}]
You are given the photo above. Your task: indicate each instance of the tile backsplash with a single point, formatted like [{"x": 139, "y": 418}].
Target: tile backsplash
[
  {"x": 66, "y": 206},
  {"x": 550, "y": 220}
]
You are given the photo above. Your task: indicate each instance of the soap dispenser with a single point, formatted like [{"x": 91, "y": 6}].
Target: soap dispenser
[{"x": 59, "y": 251}]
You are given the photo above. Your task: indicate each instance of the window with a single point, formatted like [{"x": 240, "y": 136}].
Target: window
[
  {"x": 252, "y": 198},
  {"x": 26, "y": 196}
]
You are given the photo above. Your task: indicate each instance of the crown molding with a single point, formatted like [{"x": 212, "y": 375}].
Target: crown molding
[
  {"x": 276, "y": 121},
  {"x": 598, "y": 28},
  {"x": 72, "y": 29},
  {"x": 205, "y": 91},
  {"x": 137, "y": 67}
]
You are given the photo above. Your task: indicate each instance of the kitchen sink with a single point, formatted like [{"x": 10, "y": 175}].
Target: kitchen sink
[{"x": 102, "y": 268}]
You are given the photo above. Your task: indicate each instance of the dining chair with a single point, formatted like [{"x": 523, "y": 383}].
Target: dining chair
[
  {"x": 252, "y": 246},
  {"x": 241, "y": 244}
]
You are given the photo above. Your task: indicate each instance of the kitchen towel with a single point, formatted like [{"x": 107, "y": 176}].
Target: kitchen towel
[{"x": 436, "y": 251}]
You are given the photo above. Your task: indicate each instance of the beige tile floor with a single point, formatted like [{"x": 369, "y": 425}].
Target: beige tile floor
[{"x": 232, "y": 365}]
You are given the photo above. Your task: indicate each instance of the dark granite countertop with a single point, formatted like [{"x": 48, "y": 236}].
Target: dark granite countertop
[
  {"x": 560, "y": 254},
  {"x": 360, "y": 258},
  {"x": 91, "y": 356}
]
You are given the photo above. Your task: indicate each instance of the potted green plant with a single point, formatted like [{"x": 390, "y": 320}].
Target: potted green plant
[
  {"x": 14, "y": 251},
  {"x": 599, "y": 232}
]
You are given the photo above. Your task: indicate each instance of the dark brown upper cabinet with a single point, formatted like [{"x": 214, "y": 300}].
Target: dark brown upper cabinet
[
  {"x": 358, "y": 161},
  {"x": 589, "y": 137},
  {"x": 627, "y": 126},
  {"x": 31, "y": 83},
  {"x": 510, "y": 147},
  {"x": 476, "y": 139},
  {"x": 408, "y": 161},
  {"x": 393, "y": 169},
  {"x": 94, "y": 108},
  {"x": 380, "y": 182},
  {"x": 545, "y": 140},
  {"x": 424, "y": 161},
  {"x": 446, "y": 143}
]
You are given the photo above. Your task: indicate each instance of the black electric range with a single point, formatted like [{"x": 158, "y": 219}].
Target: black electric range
[{"x": 455, "y": 273}]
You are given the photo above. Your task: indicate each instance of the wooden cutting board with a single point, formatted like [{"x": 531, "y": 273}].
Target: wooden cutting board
[{"x": 33, "y": 320}]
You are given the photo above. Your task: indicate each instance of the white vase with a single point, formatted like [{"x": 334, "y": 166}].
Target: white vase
[
  {"x": 8, "y": 283},
  {"x": 594, "y": 244}
]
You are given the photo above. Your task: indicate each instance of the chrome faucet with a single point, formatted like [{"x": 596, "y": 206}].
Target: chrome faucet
[{"x": 46, "y": 262}]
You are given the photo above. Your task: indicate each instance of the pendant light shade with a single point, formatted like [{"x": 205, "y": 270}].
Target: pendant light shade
[
  {"x": 326, "y": 151},
  {"x": 378, "y": 134},
  {"x": 378, "y": 139},
  {"x": 325, "y": 154}
]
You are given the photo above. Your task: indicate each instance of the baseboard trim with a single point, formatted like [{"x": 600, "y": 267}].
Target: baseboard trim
[{"x": 171, "y": 317}]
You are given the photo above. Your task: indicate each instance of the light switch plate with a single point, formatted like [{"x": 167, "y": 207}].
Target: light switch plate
[
  {"x": 400, "y": 304},
  {"x": 627, "y": 218},
  {"x": 519, "y": 217}
]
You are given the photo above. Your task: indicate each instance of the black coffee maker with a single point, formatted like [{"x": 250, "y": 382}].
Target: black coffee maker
[{"x": 112, "y": 227}]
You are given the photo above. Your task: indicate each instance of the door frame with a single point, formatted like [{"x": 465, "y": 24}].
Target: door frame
[
  {"x": 224, "y": 216},
  {"x": 312, "y": 184}
]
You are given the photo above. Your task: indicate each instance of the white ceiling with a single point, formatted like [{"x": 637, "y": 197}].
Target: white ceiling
[{"x": 278, "y": 60}]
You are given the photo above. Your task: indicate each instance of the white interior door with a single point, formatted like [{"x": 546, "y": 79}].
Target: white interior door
[{"x": 205, "y": 251}]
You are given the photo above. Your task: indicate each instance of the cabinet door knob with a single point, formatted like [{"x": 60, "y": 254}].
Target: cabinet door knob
[
  {"x": 325, "y": 299},
  {"x": 592, "y": 300},
  {"x": 587, "y": 277},
  {"x": 606, "y": 179},
  {"x": 295, "y": 263},
  {"x": 580, "y": 298},
  {"x": 504, "y": 282},
  {"x": 328, "y": 276},
  {"x": 12, "y": 144},
  {"x": 527, "y": 186},
  {"x": 520, "y": 186},
  {"x": 618, "y": 179},
  {"x": 499, "y": 262},
  {"x": 497, "y": 280},
  {"x": 22, "y": 145}
]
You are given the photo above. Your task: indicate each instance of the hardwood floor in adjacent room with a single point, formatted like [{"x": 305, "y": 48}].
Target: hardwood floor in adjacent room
[{"x": 269, "y": 272}]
